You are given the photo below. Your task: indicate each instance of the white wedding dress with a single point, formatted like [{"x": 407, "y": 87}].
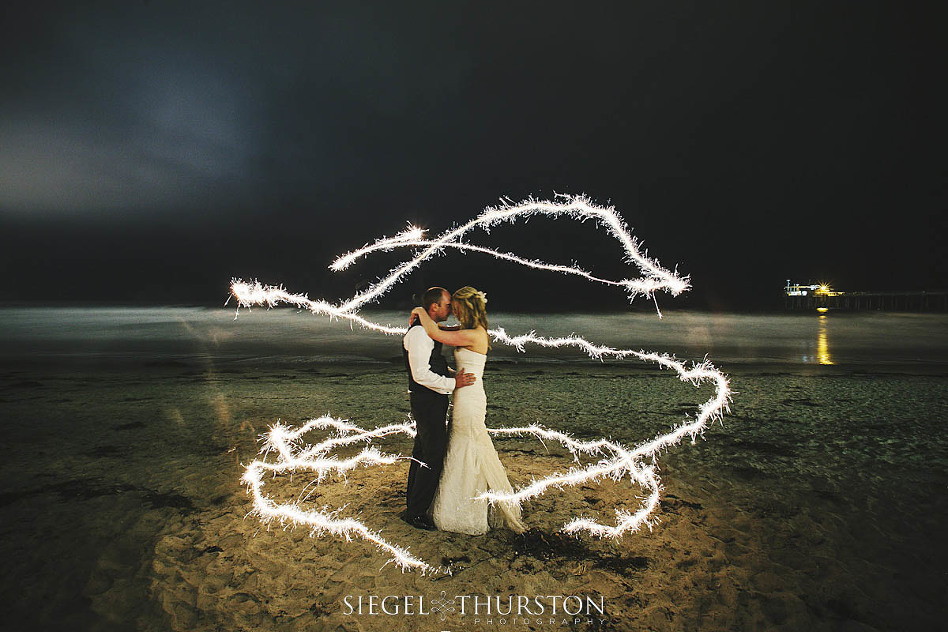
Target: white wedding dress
[{"x": 471, "y": 464}]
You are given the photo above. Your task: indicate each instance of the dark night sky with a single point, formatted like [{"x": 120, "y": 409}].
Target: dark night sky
[{"x": 149, "y": 151}]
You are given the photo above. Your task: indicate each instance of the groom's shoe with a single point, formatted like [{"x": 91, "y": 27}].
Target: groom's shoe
[{"x": 421, "y": 522}]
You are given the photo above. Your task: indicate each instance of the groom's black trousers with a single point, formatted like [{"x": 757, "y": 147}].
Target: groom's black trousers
[{"x": 430, "y": 411}]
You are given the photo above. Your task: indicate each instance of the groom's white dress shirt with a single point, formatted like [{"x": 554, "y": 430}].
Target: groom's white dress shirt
[{"x": 419, "y": 346}]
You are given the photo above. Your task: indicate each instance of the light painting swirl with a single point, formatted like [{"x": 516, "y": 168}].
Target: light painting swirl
[{"x": 617, "y": 461}]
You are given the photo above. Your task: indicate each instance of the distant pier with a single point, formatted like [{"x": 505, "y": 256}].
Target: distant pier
[{"x": 821, "y": 297}]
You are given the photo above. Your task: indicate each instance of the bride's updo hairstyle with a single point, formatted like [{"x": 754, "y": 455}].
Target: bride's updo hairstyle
[{"x": 470, "y": 308}]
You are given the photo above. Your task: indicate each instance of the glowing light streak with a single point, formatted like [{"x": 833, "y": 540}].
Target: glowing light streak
[
  {"x": 580, "y": 208},
  {"x": 291, "y": 459},
  {"x": 637, "y": 286},
  {"x": 575, "y": 207},
  {"x": 618, "y": 461},
  {"x": 625, "y": 462}
]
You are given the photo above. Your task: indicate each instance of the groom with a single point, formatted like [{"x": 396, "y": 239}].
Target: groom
[{"x": 429, "y": 382}]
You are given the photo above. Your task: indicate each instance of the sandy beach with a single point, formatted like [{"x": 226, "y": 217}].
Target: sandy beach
[{"x": 818, "y": 504}]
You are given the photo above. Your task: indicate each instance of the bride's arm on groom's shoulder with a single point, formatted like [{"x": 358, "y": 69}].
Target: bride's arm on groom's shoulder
[
  {"x": 451, "y": 337},
  {"x": 414, "y": 316}
]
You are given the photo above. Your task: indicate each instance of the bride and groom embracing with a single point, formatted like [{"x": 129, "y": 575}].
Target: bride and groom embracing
[{"x": 452, "y": 464}]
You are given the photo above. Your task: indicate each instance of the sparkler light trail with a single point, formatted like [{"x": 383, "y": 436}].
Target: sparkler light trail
[
  {"x": 291, "y": 458},
  {"x": 654, "y": 277},
  {"x": 617, "y": 462}
]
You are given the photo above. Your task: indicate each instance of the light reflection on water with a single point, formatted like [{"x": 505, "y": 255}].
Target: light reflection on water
[
  {"x": 143, "y": 333},
  {"x": 822, "y": 345}
]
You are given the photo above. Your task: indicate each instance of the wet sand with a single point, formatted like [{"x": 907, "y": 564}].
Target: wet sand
[{"x": 819, "y": 503}]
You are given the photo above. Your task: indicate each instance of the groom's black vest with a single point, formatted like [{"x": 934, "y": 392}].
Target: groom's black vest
[{"x": 437, "y": 363}]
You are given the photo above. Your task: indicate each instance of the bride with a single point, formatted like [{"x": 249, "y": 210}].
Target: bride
[{"x": 471, "y": 464}]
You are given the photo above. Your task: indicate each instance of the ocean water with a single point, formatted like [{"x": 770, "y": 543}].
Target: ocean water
[{"x": 870, "y": 339}]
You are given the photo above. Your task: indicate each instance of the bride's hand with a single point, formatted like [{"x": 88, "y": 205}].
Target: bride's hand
[{"x": 415, "y": 313}]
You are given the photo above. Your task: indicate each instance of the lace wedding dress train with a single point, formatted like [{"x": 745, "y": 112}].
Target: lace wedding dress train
[{"x": 471, "y": 464}]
